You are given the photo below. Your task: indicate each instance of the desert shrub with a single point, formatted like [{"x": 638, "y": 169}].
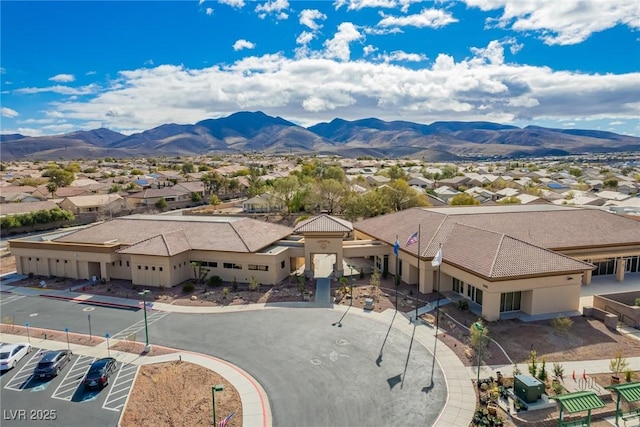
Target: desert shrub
[
  {"x": 558, "y": 370},
  {"x": 463, "y": 305},
  {"x": 638, "y": 302},
  {"x": 254, "y": 284},
  {"x": 215, "y": 281},
  {"x": 188, "y": 287},
  {"x": 225, "y": 293},
  {"x": 628, "y": 375},
  {"x": 557, "y": 388},
  {"x": 562, "y": 324},
  {"x": 234, "y": 284}
]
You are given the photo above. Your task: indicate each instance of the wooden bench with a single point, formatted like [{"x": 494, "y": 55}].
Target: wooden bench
[
  {"x": 577, "y": 423},
  {"x": 635, "y": 413}
]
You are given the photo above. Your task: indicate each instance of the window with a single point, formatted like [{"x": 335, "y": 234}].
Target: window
[
  {"x": 174, "y": 267},
  {"x": 57, "y": 261},
  {"x": 139, "y": 267},
  {"x": 146, "y": 267},
  {"x": 282, "y": 264},
  {"x": 232, "y": 265},
  {"x": 65, "y": 261},
  {"x": 258, "y": 267},
  {"x": 160, "y": 268},
  {"x": 37, "y": 259},
  {"x": 113, "y": 264},
  {"x": 127, "y": 263},
  {"x": 153, "y": 268},
  {"x": 510, "y": 301},
  {"x": 474, "y": 293},
  {"x": 29, "y": 258},
  {"x": 458, "y": 286},
  {"x": 120, "y": 263}
]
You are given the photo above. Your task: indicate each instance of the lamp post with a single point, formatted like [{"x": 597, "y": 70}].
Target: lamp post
[
  {"x": 143, "y": 294},
  {"x": 480, "y": 329},
  {"x": 215, "y": 388}
]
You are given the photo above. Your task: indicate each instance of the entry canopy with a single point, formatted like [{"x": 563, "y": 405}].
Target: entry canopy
[
  {"x": 629, "y": 391},
  {"x": 579, "y": 401}
]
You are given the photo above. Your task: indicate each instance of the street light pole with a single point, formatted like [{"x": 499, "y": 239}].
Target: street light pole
[
  {"x": 479, "y": 328},
  {"x": 218, "y": 387},
  {"x": 146, "y": 326}
]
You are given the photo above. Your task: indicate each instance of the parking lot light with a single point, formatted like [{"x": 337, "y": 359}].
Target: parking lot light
[
  {"x": 146, "y": 326},
  {"x": 480, "y": 329},
  {"x": 215, "y": 388}
]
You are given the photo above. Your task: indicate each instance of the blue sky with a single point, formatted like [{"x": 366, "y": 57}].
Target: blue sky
[{"x": 130, "y": 66}]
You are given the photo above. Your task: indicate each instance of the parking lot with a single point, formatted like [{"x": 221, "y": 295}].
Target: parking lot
[{"x": 62, "y": 400}]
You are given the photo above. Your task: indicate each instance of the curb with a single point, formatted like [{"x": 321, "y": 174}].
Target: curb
[{"x": 90, "y": 302}]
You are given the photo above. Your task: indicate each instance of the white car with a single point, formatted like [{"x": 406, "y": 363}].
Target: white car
[{"x": 10, "y": 354}]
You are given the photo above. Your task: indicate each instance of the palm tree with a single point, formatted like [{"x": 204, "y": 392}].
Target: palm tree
[{"x": 52, "y": 187}]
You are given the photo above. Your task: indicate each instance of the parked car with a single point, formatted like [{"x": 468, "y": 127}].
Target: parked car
[
  {"x": 10, "y": 354},
  {"x": 99, "y": 373},
  {"x": 52, "y": 363}
]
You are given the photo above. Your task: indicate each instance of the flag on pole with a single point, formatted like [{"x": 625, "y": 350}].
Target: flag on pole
[
  {"x": 223, "y": 422},
  {"x": 437, "y": 260},
  {"x": 412, "y": 239},
  {"x": 396, "y": 247}
]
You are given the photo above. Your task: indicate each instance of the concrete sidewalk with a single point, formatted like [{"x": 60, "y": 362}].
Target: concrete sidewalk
[{"x": 256, "y": 410}]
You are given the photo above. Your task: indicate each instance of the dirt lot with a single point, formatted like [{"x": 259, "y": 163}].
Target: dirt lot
[{"x": 179, "y": 394}]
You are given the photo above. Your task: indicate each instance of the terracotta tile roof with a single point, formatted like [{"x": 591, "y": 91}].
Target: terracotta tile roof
[
  {"x": 548, "y": 226},
  {"x": 202, "y": 233},
  {"x": 324, "y": 223},
  {"x": 497, "y": 256},
  {"x": 165, "y": 244}
]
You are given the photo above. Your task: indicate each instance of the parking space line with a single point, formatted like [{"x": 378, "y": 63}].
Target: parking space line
[
  {"x": 72, "y": 380},
  {"x": 10, "y": 299},
  {"x": 22, "y": 377},
  {"x": 152, "y": 317},
  {"x": 119, "y": 390}
]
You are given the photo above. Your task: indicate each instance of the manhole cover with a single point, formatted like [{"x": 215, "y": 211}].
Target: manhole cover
[
  {"x": 342, "y": 341},
  {"x": 316, "y": 362}
]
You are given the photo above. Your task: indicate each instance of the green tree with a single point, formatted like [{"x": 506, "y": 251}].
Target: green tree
[
  {"x": 463, "y": 199},
  {"x": 188, "y": 167},
  {"x": 610, "y": 183},
  {"x": 214, "y": 200},
  {"x": 214, "y": 183},
  {"x": 511, "y": 200},
  {"x": 255, "y": 181},
  {"x": 396, "y": 172},
  {"x": 161, "y": 204},
  {"x": 284, "y": 191},
  {"x": 398, "y": 195},
  {"x": 334, "y": 172},
  {"x": 60, "y": 177},
  {"x": 52, "y": 187}
]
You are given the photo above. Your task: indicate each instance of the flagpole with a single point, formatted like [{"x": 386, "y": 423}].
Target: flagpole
[
  {"x": 397, "y": 279},
  {"x": 418, "y": 293},
  {"x": 435, "y": 343}
]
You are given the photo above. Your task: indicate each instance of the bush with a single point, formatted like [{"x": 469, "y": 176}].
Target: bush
[
  {"x": 187, "y": 288},
  {"x": 215, "y": 281},
  {"x": 562, "y": 324},
  {"x": 234, "y": 284},
  {"x": 463, "y": 305},
  {"x": 254, "y": 285},
  {"x": 225, "y": 293}
]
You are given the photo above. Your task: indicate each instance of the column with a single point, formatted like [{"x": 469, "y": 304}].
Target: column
[
  {"x": 586, "y": 277},
  {"x": 620, "y": 265},
  {"x": 103, "y": 271}
]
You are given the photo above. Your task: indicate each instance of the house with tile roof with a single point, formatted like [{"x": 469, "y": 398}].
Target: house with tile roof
[{"x": 506, "y": 260}]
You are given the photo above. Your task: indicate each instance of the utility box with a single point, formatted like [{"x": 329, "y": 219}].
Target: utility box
[{"x": 528, "y": 388}]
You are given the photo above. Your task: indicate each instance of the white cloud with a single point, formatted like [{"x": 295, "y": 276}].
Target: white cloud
[
  {"x": 432, "y": 18},
  {"x": 338, "y": 46},
  {"x": 238, "y": 4},
  {"x": 148, "y": 62},
  {"x": 91, "y": 73},
  {"x": 200, "y": 2},
  {"x": 276, "y": 7},
  {"x": 309, "y": 17},
  {"x": 243, "y": 44},
  {"x": 563, "y": 22},
  {"x": 361, "y": 4},
  {"x": 305, "y": 37},
  {"x": 8, "y": 112},
  {"x": 61, "y": 90},
  {"x": 400, "y": 56},
  {"x": 209, "y": 11},
  {"x": 62, "y": 78},
  {"x": 368, "y": 50},
  {"x": 312, "y": 89},
  {"x": 3, "y": 70}
]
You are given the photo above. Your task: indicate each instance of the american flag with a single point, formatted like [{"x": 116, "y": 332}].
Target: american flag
[
  {"x": 223, "y": 422},
  {"x": 412, "y": 239}
]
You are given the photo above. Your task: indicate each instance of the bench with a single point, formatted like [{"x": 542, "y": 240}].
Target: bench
[
  {"x": 577, "y": 423},
  {"x": 635, "y": 413}
]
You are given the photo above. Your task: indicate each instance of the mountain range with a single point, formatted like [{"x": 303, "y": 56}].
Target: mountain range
[{"x": 244, "y": 132}]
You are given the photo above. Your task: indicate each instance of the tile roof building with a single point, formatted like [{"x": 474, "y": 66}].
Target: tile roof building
[{"x": 506, "y": 260}]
